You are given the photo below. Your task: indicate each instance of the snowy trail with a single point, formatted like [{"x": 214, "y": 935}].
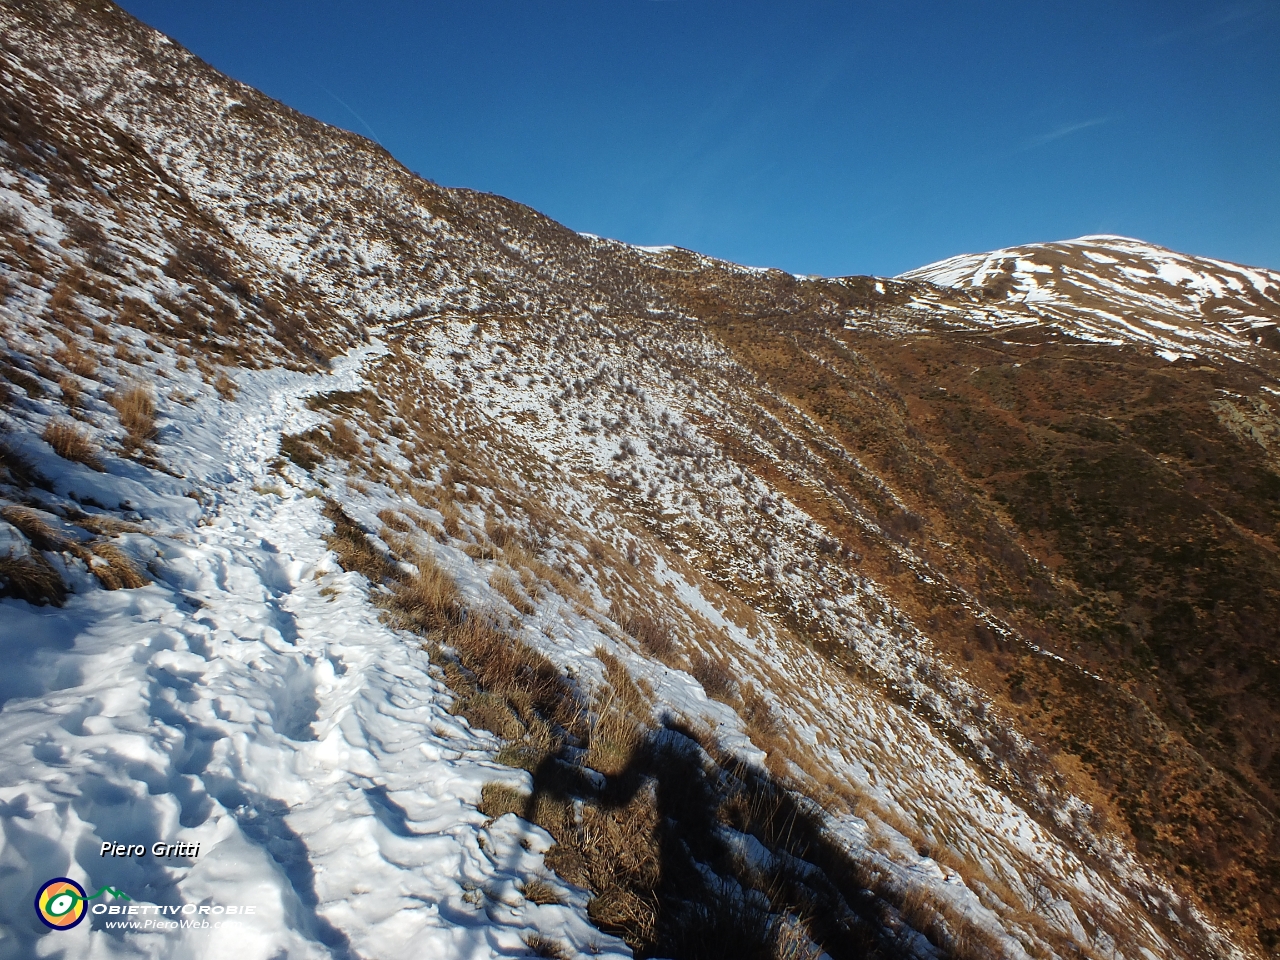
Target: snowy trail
[{"x": 251, "y": 702}]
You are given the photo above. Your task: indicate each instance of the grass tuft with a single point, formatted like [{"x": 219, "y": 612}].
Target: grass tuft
[
  {"x": 137, "y": 409},
  {"x": 352, "y": 546},
  {"x": 114, "y": 570},
  {"x": 510, "y": 590},
  {"x": 549, "y": 947},
  {"x": 70, "y": 442},
  {"x": 225, "y": 386},
  {"x": 541, "y": 892},
  {"x": 31, "y": 578}
]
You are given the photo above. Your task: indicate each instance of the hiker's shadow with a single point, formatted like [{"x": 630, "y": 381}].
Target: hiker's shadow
[{"x": 655, "y": 844}]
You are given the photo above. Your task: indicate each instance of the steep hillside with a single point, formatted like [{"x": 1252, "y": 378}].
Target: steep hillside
[{"x": 493, "y": 588}]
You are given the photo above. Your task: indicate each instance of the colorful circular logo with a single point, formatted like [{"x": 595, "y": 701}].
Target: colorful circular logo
[{"x": 61, "y": 903}]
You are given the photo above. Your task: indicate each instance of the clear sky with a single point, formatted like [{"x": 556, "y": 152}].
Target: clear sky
[{"x": 819, "y": 137}]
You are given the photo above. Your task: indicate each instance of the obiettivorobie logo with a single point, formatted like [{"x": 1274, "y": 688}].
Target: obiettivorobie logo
[{"x": 62, "y": 903}]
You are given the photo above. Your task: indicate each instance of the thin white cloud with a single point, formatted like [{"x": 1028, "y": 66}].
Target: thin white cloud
[{"x": 1064, "y": 131}]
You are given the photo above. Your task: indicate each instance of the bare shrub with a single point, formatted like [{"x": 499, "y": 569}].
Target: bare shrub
[
  {"x": 137, "y": 409},
  {"x": 72, "y": 443}
]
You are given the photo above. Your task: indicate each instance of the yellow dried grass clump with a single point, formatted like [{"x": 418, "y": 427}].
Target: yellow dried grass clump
[
  {"x": 114, "y": 570},
  {"x": 136, "y": 407},
  {"x": 71, "y": 442},
  {"x": 77, "y": 361},
  {"x": 31, "y": 578},
  {"x": 510, "y": 590},
  {"x": 428, "y": 599}
]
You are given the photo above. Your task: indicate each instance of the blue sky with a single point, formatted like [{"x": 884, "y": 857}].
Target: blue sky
[{"x": 819, "y": 137}]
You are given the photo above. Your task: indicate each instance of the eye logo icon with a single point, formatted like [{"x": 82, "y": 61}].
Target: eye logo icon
[{"x": 61, "y": 902}]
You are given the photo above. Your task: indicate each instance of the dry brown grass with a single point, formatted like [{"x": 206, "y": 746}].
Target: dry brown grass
[
  {"x": 353, "y": 549},
  {"x": 451, "y": 517},
  {"x": 136, "y": 407},
  {"x": 345, "y": 441},
  {"x": 498, "y": 799},
  {"x": 72, "y": 443},
  {"x": 105, "y": 525},
  {"x": 529, "y": 684},
  {"x": 225, "y": 386},
  {"x": 428, "y": 599},
  {"x": 962, "y": 937},
  {"x": 540, "y": 892},
  {"x": 715, "y": 677},
  {"x": 31, "y": 578},
  {"x": 77, "y": 361},
  {"x": 653, "y": 634},
  {"x": 33, "y": 525},
  {"x": 620, "y": 714},
  {"x": 394, "y": 521},
  {"x": 300, "y": 451},
  {"x": 71, "y": 393},
  {"x": 549, "y": 947},
  {"x": 18, "y": 470},
  {"x": 510, "y": 590},
  {"x": 105, "y": 561},
  {"x": 113, "y": 569},
  {"x": 613, "y": 739}
]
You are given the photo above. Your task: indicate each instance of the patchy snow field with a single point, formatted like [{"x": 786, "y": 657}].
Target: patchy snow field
[{"x": 250, "y": 701}]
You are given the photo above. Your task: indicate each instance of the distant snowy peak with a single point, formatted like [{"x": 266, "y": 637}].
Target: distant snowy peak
[{"x": 1119, "y": 290}]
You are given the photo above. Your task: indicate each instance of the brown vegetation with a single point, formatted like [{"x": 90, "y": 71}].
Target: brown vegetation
[
  {"x": 77, "y": 361},
  {"x": 137, "y": 409},
  {"x": 72, "y": 442},
  {"x": 31, "y": 578}
]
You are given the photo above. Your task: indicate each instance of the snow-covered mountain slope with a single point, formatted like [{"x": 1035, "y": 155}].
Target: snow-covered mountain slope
[
  {"x": 1117, "y": 290},
  {"x": 249, "y": 701},
  {"x": 805, "y": 614}
]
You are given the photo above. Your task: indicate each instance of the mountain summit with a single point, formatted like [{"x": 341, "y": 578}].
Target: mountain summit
[{"x": 458, "y": 585}]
